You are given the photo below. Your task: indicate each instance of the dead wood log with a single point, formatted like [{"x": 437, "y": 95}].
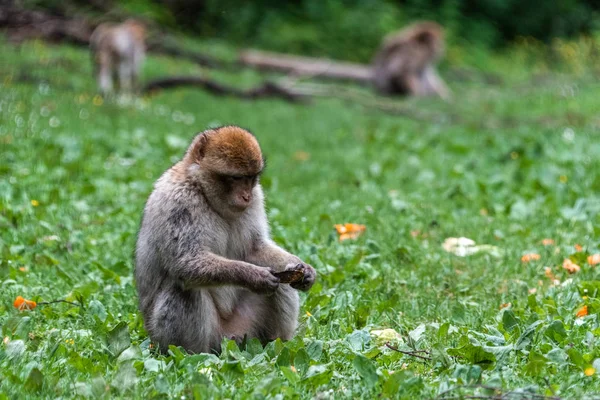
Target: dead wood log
[
  {"x": 306, "y": 66},
  {"x": 267, "y": 89},
  {"x": 31, "y": 24}
]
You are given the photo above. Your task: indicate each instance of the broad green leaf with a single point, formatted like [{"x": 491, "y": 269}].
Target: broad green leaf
[
  {"x": 318, "y": 375},
  {"x": 556, "y": 331},
  {"x": 283, "y": 359},
  {"x": 154, "y": 365},
  {"x": 359, "y": 340},
  {"x": 97, "y": 309},
  {"x": 301, "y": 361},
  {"x": 315, "y": 349},
  {"x": 474, "y": 354},
  {"x": 576, "y": 357},
  {"x": 366, "y": 369},
  {"x": 509, "y": 321},
  {"x": 289, "y": 374},
  {"x": 536, "y": 364},
  {"x": 525, "y": 338},
  {"x": 118, "y": 339},
  {"x": 35, "y": 380},
  {"x": 131, "y": 353},
  {"x": 126, "y": 377}
]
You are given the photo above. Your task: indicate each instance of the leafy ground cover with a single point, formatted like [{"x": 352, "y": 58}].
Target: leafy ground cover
[{"x": 506, "y": 164}]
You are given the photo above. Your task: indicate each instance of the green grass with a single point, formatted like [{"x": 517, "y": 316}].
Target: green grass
[{"x": 505, "y": 165}]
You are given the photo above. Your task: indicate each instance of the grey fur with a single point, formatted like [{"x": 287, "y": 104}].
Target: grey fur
[{"x": 203, "y": 274}]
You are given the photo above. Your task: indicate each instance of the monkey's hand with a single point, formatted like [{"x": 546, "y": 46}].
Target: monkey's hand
[
  {"x": 262, "y": 280},
  {"x": 307, "y": 280}
]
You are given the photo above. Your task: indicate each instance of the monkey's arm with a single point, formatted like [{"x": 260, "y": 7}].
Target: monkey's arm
[
  {"x": 208, "y": 269},
  {"x": 265, "y": 253}
]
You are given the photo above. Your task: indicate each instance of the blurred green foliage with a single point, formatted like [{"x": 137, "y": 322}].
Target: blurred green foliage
[{"x": 351, "y": 29}]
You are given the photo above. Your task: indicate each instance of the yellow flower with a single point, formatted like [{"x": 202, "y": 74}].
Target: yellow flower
[
  {"x": 308, "y": 314},
  {"x": 563, "y": 179},
  {"x": 589, "y": 371},
  {"x": 35, "y": 203},
  {"x": 98, "y": 100}
]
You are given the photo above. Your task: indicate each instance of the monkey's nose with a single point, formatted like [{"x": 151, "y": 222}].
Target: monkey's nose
[{"x": 246, "y": 198}]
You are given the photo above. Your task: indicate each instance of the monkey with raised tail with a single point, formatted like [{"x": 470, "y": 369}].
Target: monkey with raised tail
[{"x": 205, "y": 265}]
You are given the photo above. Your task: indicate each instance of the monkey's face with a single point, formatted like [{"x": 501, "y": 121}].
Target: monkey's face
[
  {"x": 237, "y": 190},
  {"x": 230, "y": 161}
]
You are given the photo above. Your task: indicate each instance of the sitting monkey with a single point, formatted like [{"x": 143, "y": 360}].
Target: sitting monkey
[
  {"x": 118, "y": 50},
  {"x": 405, "y": 62},
  {"x": 206, "y": 267}
]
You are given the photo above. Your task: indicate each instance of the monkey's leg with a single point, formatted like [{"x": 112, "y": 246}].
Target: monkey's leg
[
  {"x": 280, "y": 315},
  {"x": 415, "y": 85},
  {"x": 125, "y": 74},
  {"x": 185, "y": 318},
  {"x": 138, "y": 61},
  {"x": 105, "y": 78}
]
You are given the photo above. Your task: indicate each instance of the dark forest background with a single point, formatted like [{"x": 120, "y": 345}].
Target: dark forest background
[{"x": 349, "y": 29}]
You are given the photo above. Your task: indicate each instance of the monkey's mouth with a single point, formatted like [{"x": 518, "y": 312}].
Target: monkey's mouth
[{"x": 239, "y": 208}]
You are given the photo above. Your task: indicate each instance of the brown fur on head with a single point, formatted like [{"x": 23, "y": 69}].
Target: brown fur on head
[
  {"x": 426, "y": 35},
  {"x": 226, "y": 162},
  {"x": 228, "y": 150},
  {"x": 137, "y": 28}
]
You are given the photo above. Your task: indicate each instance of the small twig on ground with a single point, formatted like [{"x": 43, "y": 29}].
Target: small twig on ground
[
  {"x": 412, "y": 353},
  {"x": 497, "y": 395},
  {"x": 44, "y": 303}
]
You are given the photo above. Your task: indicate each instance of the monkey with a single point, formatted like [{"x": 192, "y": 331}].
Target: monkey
[
  {"x": 118, "y": 50},
  {"x": 204, "y": 262},
  {"x": 405, "y": 62}
]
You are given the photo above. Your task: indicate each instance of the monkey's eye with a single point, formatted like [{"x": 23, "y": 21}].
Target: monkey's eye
[{"x": 236, "y": 178}]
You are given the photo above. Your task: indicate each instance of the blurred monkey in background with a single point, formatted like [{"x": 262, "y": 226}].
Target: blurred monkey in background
[
  {"x": 118, "y": 50},
  {"x": 405, "y": 63}
]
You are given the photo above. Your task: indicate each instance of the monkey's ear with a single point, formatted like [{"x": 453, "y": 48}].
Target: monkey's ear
[
  {"x": 424, "y": 37},
  {"x": 198, "y": 149}
]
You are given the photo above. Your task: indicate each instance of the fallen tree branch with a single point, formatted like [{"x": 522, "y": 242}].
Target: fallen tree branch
[
  {"x": 290, "y": 90},
  {"x": 267, "y": 89},
  {"x": 306, "y": 66}
]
